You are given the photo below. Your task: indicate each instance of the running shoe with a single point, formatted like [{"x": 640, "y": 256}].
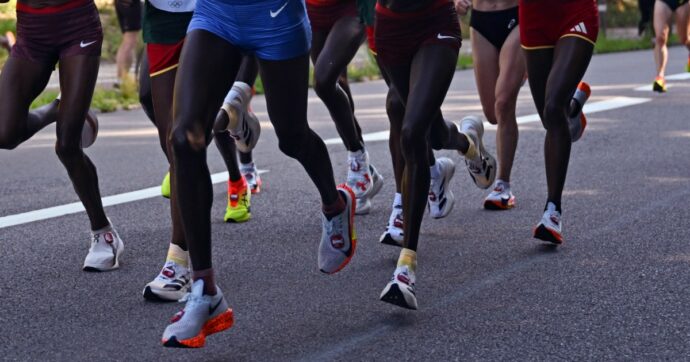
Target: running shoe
[
  {"x": 364, "y": 204},
  {"x": 577, "y": 122},
  {"x": 483, "y": 169},
  {"x": 90, "y": 130},
  {"x": 500, "y": 198},
  {"x": 104, "y": 253},
  {"x": 339, "y": 239},
  {"x": 359, "y": 178},
  {"x": 659, "y": 85},
  {"x": 202, "y": 316},
  {"x": 239, "y": 196},
  {"x": 441, "y": 198},
  {"x": 394, "y": 231},
  {"x": 251, "y": 175},
  {"x": 171, "y": 284},
  {"x": 549, "y": 228},
  {"x": 243, "y": 125},
  {"x": 165, "y": 186},
  {"x": 400, "y": 290}
]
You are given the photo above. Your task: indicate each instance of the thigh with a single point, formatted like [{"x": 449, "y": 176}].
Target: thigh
[
  {"x": 340, "y": 47},
  {"x": 538, "y": 62},
  {"x": 21, "y": 81},
  {"x": 318, "y": 40},
  {"x": 486, "y": 70},
  {"x": 203, "y": 79},
  {"x": 662, "y": 15},
  {"x": 78, "y": 75},
  {"x": 286, "y": 86},
  {"x": 512, "y": 68},
  {"x": 682, "y": 14}
]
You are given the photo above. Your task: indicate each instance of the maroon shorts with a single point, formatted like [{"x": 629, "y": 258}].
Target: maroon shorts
[
  {"x": 544, "y": 22},
  {"x": 324, "y": 13},
  {"x": 398, "y": 36},
  {"x": 49, "y": 34}
]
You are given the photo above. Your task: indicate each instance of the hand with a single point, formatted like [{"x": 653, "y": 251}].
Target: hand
[{"x": 462, "y": 6}]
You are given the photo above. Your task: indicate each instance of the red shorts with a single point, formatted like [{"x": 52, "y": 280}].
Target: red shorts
[
  {"x": 544, "y": 22},
  {"x": 371, "y": 41},
  {"x": 48, "y": 34},
  {"x": 324, "y": 13},
  {"x": 163, "y": 57},
  {"x": 398, "y": 36}
]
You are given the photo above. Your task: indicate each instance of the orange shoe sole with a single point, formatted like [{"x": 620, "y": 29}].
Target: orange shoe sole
[
  {"x": 218, "y": 324},
  {"x": 541, "y": 232}
]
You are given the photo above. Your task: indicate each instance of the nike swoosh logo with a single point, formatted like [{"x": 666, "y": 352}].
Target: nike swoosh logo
[
  {"x": 84, "y": 45},
  {"x": 275, "y": 13},
  {"x": 440, "y": 36},
  {"x": 213, "y": 309}
]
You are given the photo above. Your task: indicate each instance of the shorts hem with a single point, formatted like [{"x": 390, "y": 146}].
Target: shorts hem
[{"x": 164, "y": 70}]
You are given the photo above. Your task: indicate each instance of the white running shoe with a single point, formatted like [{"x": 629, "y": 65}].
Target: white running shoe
[
  {"x": 394, "y": 231},
  {"x": 400, "y": 290},
  {"x": 549, "y": 228},
  {"x": 501, "y": 198},
  {"x": 104, "y": 253},
  {"x": 243, "y": 125},
  {"x": 171, "y": 284},
  {"x": 359, "y": 178},
  {"x": 339, "y": 239},
  {"x": 364, "y": 204},
  {"x": 441, "y": 198},
  {"x": 202, "y": 316},
  {"x": 483, "y": 169},
  {"x": 252, "y": 176}
]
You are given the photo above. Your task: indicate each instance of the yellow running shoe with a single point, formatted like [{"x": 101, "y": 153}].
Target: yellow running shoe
[
  {"x": 239, "y": 196},
  {"x": 165, "y": 186},
  {"x": 659, "y": 85}
]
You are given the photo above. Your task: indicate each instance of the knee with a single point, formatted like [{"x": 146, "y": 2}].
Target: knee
[
  {"x": 293, "y": 146},
  {"x": 67, "y": 148},
  {"x": 323, "y": 87},
  {"x": 660, "y": 39},
  {"x": 554, "y": 115},
  {"x": 187, "y": 142},
  {"x": 7, "y": 142},
  {"x": 413, "y": 142},
  {"x": 504, "y": 110},
  {"x": 395, "y": 110}
]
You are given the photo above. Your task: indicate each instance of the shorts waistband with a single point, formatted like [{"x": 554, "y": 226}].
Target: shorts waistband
[
  {"x": 53, "y": 9},
  {"x": 510, "y": 10},
  {"x": 411, "y": 15}
]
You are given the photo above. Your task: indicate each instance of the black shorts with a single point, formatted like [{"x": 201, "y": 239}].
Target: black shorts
[
  {"x": 130, "y": 16},
  {"x": 675, "y": 4},
  {"x": 495, "y": 26}
]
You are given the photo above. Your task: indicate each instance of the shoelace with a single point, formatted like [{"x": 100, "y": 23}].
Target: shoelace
[{"x": 334, "y": 226}]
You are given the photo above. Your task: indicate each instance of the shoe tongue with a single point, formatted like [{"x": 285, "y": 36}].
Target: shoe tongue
[{"x": 198, "y": 287}]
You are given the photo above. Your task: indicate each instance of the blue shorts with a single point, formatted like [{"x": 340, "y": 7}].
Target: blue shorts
[{"x": 271, "y": 29}]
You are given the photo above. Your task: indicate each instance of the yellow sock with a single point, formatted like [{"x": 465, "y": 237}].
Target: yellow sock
[
  {"x": 179, "y": 256},
  {"x": 408, "y": 257}
]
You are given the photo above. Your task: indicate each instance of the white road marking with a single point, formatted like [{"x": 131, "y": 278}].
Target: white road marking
[
  {"x": 601, "y": 106},
  {"x": 77, "y": 207},
  {"x": 648, "y": 88}
]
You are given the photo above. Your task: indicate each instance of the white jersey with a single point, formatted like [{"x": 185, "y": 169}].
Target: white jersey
[{"x": 174, "y": 6}]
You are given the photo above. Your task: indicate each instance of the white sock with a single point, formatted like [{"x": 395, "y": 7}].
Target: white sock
[
  {"x": 356, "y": 154},
  {"x": 179, "y": 256},
  {"x": 397, "y": 200}
]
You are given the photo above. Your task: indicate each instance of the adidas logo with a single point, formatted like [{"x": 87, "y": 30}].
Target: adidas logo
[{"x": 579, "y": 28}]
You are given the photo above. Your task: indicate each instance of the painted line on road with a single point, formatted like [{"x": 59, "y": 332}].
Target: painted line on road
[
  {"x": 649, "y": 88},
  {"x": 595, "y": 107},
  {"x": 77, "y": 207}
]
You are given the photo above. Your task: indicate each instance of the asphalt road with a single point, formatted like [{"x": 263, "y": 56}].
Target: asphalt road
[{"x": 487, "y": 290}]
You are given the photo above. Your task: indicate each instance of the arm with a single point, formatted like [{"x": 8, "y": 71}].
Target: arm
[{"x": 462, "y": 6}]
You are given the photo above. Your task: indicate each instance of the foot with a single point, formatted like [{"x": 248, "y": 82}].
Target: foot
[
  {"x": 171, "y": 284},
  {"x": 165, "y": 186},
  {"x": 202, "y": 316},
  {"x": 500, "y": 198},
  {"x": 441, "y": 198},
  {"x": 243, "y": 125},
  {"x": 659, "y": 85},
  {"x": 339, "y": 239},
  {"x": 364, "y": 204},
  {"x": 482, "y": 166},
  {"x": 400, "y": 290},
  {"x": 577, "y": 122},
  {"x": 239, "y": 198},
  {"x": 251, "y": 175},
  {"x": 549, "y": 228},
  {"x": 394, "y": 231},
  {"x": 104, "y": 253},
  {"x": 359, "y": 178}
]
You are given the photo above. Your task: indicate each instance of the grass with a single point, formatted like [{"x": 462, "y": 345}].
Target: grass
[{"x": 104, "y": 100}]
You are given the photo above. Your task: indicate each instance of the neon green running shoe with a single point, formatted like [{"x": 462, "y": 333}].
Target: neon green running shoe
[
  {"x": 239, "y": 196},
  {"x": 165, "y": 186}
]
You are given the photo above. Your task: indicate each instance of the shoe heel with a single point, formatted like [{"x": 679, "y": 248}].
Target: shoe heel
[{"x": 220, "y": 323}]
